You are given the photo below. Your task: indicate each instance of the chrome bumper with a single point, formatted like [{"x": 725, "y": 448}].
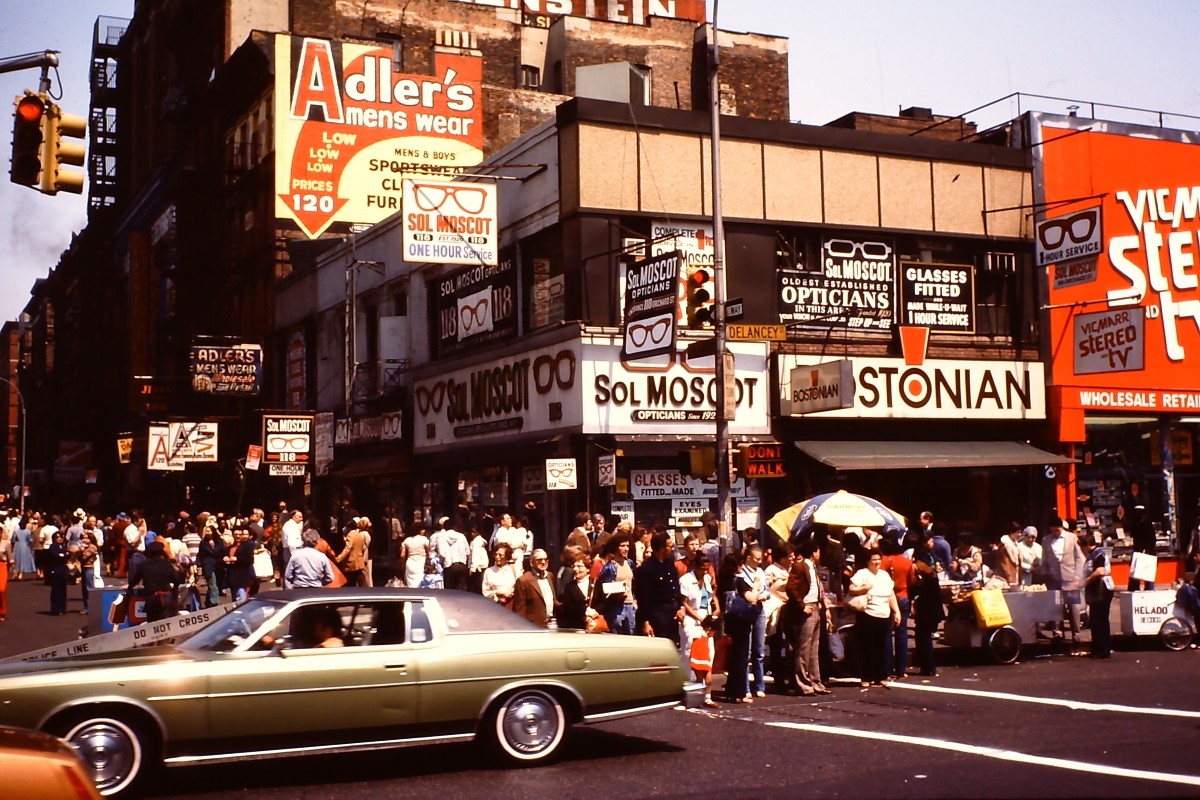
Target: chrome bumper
[{"x": 693, "y": 694}]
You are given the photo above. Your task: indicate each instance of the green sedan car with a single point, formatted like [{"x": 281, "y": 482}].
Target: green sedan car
[{"x": 320, "y": 671}]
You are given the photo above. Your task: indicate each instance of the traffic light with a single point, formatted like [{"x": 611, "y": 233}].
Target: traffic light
[
  {"x": 698, "y": 462},
  {"x": 58, "y": 149},
  {"x": 28, "y": 122},
  {"x": 699, "y": 300}
]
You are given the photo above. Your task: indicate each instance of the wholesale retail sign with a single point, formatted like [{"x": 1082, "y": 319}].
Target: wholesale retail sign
[
  {"x": 349, "y": 127},
  {"x": 1128, "y": 337},
  {"x": 853, "y": 287},
  {"x": 447, "y": 222},
  {"x": 288, "y": 439},
  {"x": 934, "y": 389},
  {"x": 227, "y": 369},
  {"x": 651, "y": 301},
  {"x": 940, "y": 297}
]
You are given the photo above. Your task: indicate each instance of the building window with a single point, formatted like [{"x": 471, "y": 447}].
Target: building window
[{"x": 531, "y": 77}]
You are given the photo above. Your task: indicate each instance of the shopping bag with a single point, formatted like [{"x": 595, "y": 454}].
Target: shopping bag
[
  {"x": 991, "y": 609},
  {"x": 1143, "y": 567}
]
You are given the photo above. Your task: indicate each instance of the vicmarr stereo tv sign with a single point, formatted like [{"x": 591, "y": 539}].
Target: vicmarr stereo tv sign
[{"x": 934, "y": 389}]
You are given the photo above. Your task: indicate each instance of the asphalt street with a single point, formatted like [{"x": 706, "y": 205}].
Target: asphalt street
[{"x": 1050, "y": 726}]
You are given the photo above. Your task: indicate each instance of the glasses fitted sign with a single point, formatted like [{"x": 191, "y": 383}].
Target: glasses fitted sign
[
  {"x": 940, "y": 297},
  {"x": 853, "y": 287}
]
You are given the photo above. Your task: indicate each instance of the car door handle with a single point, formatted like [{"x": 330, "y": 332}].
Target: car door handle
[{"x": 403, "y": 668}]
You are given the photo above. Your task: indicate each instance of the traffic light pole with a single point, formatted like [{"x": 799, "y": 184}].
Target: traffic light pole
[
  {"x": 723, "y": 363},
  {"x": 43, "y": 60}
]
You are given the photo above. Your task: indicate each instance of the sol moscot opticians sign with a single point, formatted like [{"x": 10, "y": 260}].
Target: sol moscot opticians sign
[
  {"x": 349, "y": 126},
  {"x": 934, "y": 389}
]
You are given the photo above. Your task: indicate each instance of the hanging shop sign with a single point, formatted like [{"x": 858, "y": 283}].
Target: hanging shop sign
[
  {"x": 822, "y": 387},
  {"x": 475, "y": 305},
  {"x": 1126, "y": 338},
  {"x": 193, "y": 441},
  {"x": 448, "y": 222},
  {"x": 629, "y": 12},
  {"x": 323, "y": 440},
  {"x": 933, "y": 389},
  {"x": 561, "y": 474},
  {"x": 606, "y": 470},
  {"x": 940, "y": 297},
  {"x": 1109, "y": 341},
  {"x": 697, "y": 259},
  {"x": 254, "y": 456},
  {"x": 1069, "y": 238},
  {"x": 853, "y": 287},
  {"x": 384, "y": 427},
  {"x": 667, "y": 484},
  {"x": 651, "y": 302},
  {"x": 124, "y": 448},
  {"x": 287, "y": 440},
  {"x": 234, "y": 369},
  {"x": 349, "y": 126},
  {"x": 158, "y": 449},
  {"x": 623, "y": 511}
]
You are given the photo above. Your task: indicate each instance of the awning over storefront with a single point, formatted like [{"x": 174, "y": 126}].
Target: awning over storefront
[
  {"x": 373, "y": 465},
  {"x": 848, "y": 456}
]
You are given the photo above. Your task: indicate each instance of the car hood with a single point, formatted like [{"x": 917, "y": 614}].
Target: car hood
[{"x": 124, "y": 658}]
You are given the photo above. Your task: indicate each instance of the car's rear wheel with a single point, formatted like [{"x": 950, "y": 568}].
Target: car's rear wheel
[
  {"x": 529, "y": 725},
  {"x": 116, "y": 750}
]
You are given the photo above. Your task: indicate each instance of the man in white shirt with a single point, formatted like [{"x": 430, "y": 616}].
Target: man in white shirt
[
  {"x": 293, "y": 531},
  {"x": 453, "y": 549},
  {"x": 534, "y": 594}
]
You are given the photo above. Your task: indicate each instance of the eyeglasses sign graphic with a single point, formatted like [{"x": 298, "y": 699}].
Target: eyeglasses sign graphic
[
  {"x": 450, "y": 222},
  {"x": 1070, "y": 237},
  {"x": 475, "y": 313},
  {"x": 561, "y": 474}
]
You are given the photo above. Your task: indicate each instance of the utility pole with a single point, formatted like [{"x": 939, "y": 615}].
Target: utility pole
[{"x": 726, "y": 399}]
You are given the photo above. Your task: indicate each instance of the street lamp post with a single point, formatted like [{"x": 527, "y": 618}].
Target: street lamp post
[
  {"x": 724, "y": 370},
  {"x": 24, "y": 425}
]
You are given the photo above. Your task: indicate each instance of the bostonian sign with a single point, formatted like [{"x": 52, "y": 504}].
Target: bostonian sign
[{"x": 934, "y": 389}]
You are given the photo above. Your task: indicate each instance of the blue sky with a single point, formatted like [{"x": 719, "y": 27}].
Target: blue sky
[{"x": 865, "y": 55}]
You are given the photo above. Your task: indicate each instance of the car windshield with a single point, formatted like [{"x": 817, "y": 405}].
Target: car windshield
[{"x": 232, "y": 630}]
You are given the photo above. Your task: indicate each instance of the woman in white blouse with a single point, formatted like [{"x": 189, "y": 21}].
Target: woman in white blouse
[
  {"x": 500, "y": 578},
  {"x": 874, "y": 622}
]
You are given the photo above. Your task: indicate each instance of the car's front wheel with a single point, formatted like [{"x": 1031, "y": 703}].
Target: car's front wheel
[
  {"x": 529, "y": 725},
  {"x": 116, "y": 750}
]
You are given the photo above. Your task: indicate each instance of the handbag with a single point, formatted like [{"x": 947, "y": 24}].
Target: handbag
[
  {"x": 858, "y": 602},
  {"x": 738, "y": 610},
  {"x": 264, "y": 569},
  {"x": 596, "y": 624}
]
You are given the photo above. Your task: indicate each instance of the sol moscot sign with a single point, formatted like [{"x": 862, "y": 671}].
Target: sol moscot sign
[
  {"x": 349, "y": 126},
  {"x": 1124, "y": 330}
]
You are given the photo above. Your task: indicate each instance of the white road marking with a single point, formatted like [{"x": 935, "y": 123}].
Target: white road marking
[
  {"x": 994, "y": 752},
  {"x": 1074, "y": 705}
]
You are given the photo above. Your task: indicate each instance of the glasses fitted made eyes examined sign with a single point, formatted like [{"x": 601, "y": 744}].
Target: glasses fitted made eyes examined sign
[
  {"x": 651, "y": 302},
  {"x": 475, "y": 304},
  {"x": 852, "y": 287},
  {"x": 287, "y": 443},
  {"x": 349, "y": 126},
  {"x": 1125, "y": 335},
  {"x": 448, "y": 222}
]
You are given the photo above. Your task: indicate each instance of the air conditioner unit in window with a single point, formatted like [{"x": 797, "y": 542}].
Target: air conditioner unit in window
[{"x": 1000, "y": 262}]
